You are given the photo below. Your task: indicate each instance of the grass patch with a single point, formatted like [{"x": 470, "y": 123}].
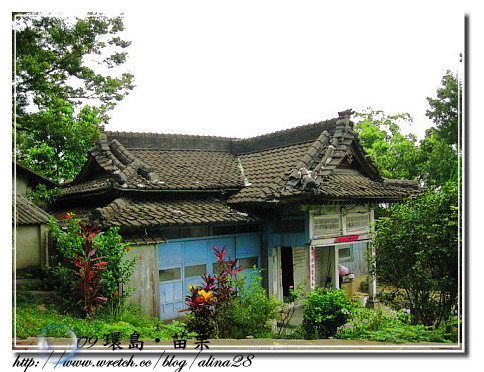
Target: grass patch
[
  {"x": 32, "y": 316},
  {"x": 367, "y": 324}
]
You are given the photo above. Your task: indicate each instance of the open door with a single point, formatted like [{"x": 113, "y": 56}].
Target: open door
[
  {"x": 287, "y": 270},
  {"x": 326, "y": 267}
]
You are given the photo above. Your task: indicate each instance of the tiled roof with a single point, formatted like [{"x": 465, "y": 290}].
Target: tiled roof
[
  {"x": 308, "y": 169},
  {"x": 358, "y": 186},
  {"x": 189, "y": 169},
  {"x": 309, "y": 161},
  {"x": 140, "y": 212},
  {"x": 143, "y": 238},
  {"x": 266, "y": 171},
  {"x": 27, "y": 213},
  {"x": 35, "y": 177},
  {"x": 98, "y": 184}
]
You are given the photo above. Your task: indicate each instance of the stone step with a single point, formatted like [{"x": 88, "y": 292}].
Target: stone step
[
  {"x": 40, "y": 296},
  {"x": 29, "y": 284}
]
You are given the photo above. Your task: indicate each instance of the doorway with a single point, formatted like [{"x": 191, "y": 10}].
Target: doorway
[{"x": 287, "y": 270}]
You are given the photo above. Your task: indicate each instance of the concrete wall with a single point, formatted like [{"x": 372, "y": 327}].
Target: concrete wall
[
  {"x": 21, "y": 184},
  {"x": 31, "y": 246},
  {"x": 145, "y": 279}
]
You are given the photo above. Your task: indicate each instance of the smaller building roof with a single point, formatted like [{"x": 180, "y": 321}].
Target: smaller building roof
[
  {"x": 27, "y": 213},
  {"x": 148, "y": 212},
  {"x": 35, "y": 177}
]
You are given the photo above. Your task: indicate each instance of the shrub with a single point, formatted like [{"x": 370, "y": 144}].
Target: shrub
[
  {"x": 248, "y": 314},
  {"x": 367, "y": 324},
  {"x": 226, "y": 306},
  {"x": 205, "y": 301},
  {"x": 326, "y": 310},
  {"x": 118, "y": 272}
]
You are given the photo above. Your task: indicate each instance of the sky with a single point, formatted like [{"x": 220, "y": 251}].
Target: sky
[{"x": 244, "y": 69}]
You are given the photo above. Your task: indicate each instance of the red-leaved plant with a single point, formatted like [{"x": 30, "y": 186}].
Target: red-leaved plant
[
  {"x": 87, "y": 271},
  {"x": 207, "y": 299}
]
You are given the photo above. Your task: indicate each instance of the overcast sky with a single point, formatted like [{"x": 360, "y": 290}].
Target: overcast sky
[{"x": 248, "y": 68}]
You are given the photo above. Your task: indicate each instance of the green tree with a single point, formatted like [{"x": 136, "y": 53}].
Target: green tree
[
  {"x": 395, "y": 154},
  {"x": 63, "y": 88},
  {"x": 440, "y": 160},
  {"x": 446, "y": 109},
  {"x": 417, "y": 251},
  {"x": 441, "y": 145}
]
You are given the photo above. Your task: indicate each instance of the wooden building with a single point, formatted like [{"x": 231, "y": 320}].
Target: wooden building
[{"x": 294, "y": 202}]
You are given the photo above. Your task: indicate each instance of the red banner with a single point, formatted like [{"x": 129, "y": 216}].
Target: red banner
[{"x": 345, "y": 239}]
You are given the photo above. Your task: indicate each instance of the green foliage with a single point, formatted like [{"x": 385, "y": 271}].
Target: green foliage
[
  {"x": 444, "y": 110},
  {"x": 79, "y": 253},
  {"x": 441, "y": 160},
  {"x": 42, "y": 196},
  {"x": 31, "y": 317},
  {"x": 227, "y": 306},
  {"x": 432, "y": 162},
  {"x": 62, "y": 88},
  {"x": 286, "y": 310},
  {"x": 367, "y": 324},
  {"x": 250, "y": 313},
  {"x": 417, "y": 250},
  {"x": 396, "y": 155},
  {"x": 119, "y": 270},
  {"x": 326, "y": 310}
]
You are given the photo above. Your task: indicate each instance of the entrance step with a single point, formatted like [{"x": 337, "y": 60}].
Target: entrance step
[{"x": 29, "y": 284}]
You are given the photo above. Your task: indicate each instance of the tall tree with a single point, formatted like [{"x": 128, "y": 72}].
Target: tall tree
[
  {"x": 440, "y": 160},
  {"x": 63, "y": 88},
  {"x": 395, "y": 154},
  {"x": 418, "y": 241},
  {"x": 446, "y": 110},
  {"x": 441, "y": 145}
]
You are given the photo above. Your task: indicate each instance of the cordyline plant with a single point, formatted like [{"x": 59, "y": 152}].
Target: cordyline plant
[
  {"x": 207, "y": 300},
  {"x": 91, "y": 268},
  {"x": 88, "y": 272}
]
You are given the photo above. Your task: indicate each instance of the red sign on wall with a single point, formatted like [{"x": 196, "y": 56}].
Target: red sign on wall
[{"x": 345, "y": 239}]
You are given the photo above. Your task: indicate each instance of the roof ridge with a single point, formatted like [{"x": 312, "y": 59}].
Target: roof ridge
[
  {"x": 103, "y": 214},
  {"x": 141, "y": 168},
  {"x": 296, "y": 128},
  {"x": 302, "y": 174},
  {"x": 157, "y": 134},
  {"x": 121, "y": 163},
  {"x": 285, "y": 137}
]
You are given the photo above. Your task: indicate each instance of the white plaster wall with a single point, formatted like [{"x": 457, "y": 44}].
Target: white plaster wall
[{"x": 300, "y": 260}]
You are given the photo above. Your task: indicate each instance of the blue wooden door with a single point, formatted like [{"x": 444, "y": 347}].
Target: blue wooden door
[
  {"x": 248, "y": 253},
  {"x": 171, "y": 279}
]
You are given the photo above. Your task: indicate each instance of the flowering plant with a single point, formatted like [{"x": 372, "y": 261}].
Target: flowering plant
[{"x": 205, "y": 301}]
